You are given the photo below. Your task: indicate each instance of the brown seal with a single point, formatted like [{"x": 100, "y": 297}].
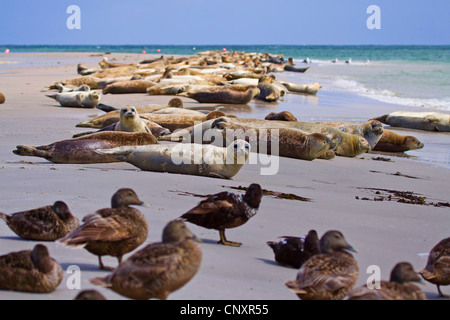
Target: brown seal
[
  {"x": 372, "y": 130},
  {"x": 292, "y": 143},
  {"x": 92, "y": 82},
  {"x": 2, "y": 98},
  {"x": 233, "y": 94},
  {"x": 281, "y": 116},
  {"x": 82, "y": 149},
  {"x": 268, "y": 91},
  {"x": 131, "y": 86},
  {"x": 114, "y": 116},
  {"x": 347, "y": 145},
  {"x": 393, "y": 142}
]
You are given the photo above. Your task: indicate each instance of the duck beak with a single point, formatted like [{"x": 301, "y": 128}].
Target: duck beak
[
  {"x": 144, "y": 204},
  {"x": 350, "y": 248}
]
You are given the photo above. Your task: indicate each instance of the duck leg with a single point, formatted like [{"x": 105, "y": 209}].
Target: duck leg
[
  {"x": 103, "y": 267},
  {"x": 223, "y": 240},
  {"x": 440, "y": 292}
]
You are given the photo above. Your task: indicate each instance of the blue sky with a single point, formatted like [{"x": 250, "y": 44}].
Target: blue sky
[{"x": 196, "y": 22}]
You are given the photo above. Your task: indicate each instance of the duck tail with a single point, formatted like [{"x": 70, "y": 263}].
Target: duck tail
[
  {"x": 294, "y": 286},
  {"x": 103, "y": 282},
  {"x": 4, "y": 216}
]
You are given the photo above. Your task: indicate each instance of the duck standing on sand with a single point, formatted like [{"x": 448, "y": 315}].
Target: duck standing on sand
[
  {"x": 226, "y": 210},
  {"x": 398, "y": 288},
  {"x": 30, "y": 271},
  {"x": 111, "y": 231},
  {"x": 47, "y": 223},
  {"x": 294, "y": 251},
  {"x": 158, "y": 269},
  {"x": 437, "y": 270},
  {"x": 329, "y": 275}
]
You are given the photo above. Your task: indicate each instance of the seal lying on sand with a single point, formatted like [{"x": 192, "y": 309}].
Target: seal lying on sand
[
  {"x": 77, "y": 99},
  {"x": 82, "y": 149},
  {"x": 429, "y": 121},
  {"x": 347, "y": 145},
  {"x": 372, "y": 130},
  {"x": 130, "y": 121},
  {"x": 131, "y": 86},
  {"x": 233, "y": 94},
  {"x": 291, "y": 143},
  {"x": 193, "y": 159},
  {"x": 92, "y": 82},
  {"x": 281, "y": 116},
  {"x": 393, "y": 142},
  {"x": 114, "y": 115},
  {"x": 311, "y": 89},
  {"x": 268, "y": 91},
  {"x": 62, "y": 88},
  {"x": 2, "y": 98}
]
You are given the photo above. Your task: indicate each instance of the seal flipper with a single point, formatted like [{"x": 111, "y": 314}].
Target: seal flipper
[
  {"x": 31, "y": 151},
  {"x": 382, "y": 118},
  {"x": 105, "y": 107}
]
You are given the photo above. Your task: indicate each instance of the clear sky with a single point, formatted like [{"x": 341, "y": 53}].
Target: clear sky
[{"x": 197, "y": 22}]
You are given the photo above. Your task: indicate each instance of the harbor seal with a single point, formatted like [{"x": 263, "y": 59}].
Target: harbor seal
[
  {"x": 429, "y": 121},
  {"x": 372, "y": 130},
  {"x": 130, "y": 121},
  {"x": 347, "y": 145},
  {"x": 131, "y": 86},
  {"x": 114, "y": 116},
  {"x": 192, "y": 158},
  {"x": 310, "y": 89},
  {"x": 77, "y": 99},
  {"x": 232, "y": 94},
  {"x": 92, "y": 82},
  {"x": 61, "y": 88},
  {"x": 291, "y": 143},
  {"x": 268, "y": 91},
  {"x": 287, "y": 67},
  {"x": 2, "y": 98},
  {"x": 82, "y": 150},
  {"x": 281, "y": 116},
  {"x": 167, "y": 89},
  {"x": 393, "y": 142}
]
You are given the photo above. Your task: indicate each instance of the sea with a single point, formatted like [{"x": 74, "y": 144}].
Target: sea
[{"x": 416, "y": 76}]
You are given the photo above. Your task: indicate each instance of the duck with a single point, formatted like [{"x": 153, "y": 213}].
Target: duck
[
  {"x": 226, "y": 210},
  {"x": 89, "y": 295},
  {"x": 30, "y": 271},
  {"x": 111, "y": 231},
  {"x": 47, "y": 223},
  {"x": 294, "y": 251},
  {"x": 399, "y": 287},
  {"x": 158, "y": 269},
  {"x": 437, "y": 270},
  {"x": 329, "y": 275}
]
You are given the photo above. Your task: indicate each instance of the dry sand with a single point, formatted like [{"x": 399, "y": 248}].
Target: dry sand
[{"x": 383, "y": 233}]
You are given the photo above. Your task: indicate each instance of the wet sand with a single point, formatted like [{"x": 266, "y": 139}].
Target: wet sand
[{"x": 383, "y": 232}]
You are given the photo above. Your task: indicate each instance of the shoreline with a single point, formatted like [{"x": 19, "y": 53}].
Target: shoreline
[{"x": 383, "y": 232}]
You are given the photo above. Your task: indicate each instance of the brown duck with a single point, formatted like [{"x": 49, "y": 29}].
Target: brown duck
[
  {"x": 400, "y": 286},
  {"x": 329, "y": 275},
  {"x": 226, "y": 210},
  {"x": 294, "y": 251},
  {"x": 47, "y": 223},
  {"x": 30, "y": 271},
  {"x": 158, "y": 269},
  {"x": 111, "y": 231},
  {"x": 437, "y": 270}
]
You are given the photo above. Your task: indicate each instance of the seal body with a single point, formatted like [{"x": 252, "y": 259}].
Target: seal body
[
  {"x": 193, "y": 159},
  {"x": 77, "y": 99},
  {"x": 393, "y": 142},
  {"x": 132, "y": 86},
  {"x": 429, "y": 121},
  {"x": 82, "y": 149},
  {"x": 2, "y": 98},
  {"x": 234, "y": 94},
  {"x": 310, "y": 89}
]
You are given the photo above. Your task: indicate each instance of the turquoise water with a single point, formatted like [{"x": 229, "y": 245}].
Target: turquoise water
[{"x": 417, "y": 76}]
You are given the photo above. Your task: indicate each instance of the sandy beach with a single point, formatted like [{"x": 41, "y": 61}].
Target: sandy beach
[{"x": 383, "y": 232}]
